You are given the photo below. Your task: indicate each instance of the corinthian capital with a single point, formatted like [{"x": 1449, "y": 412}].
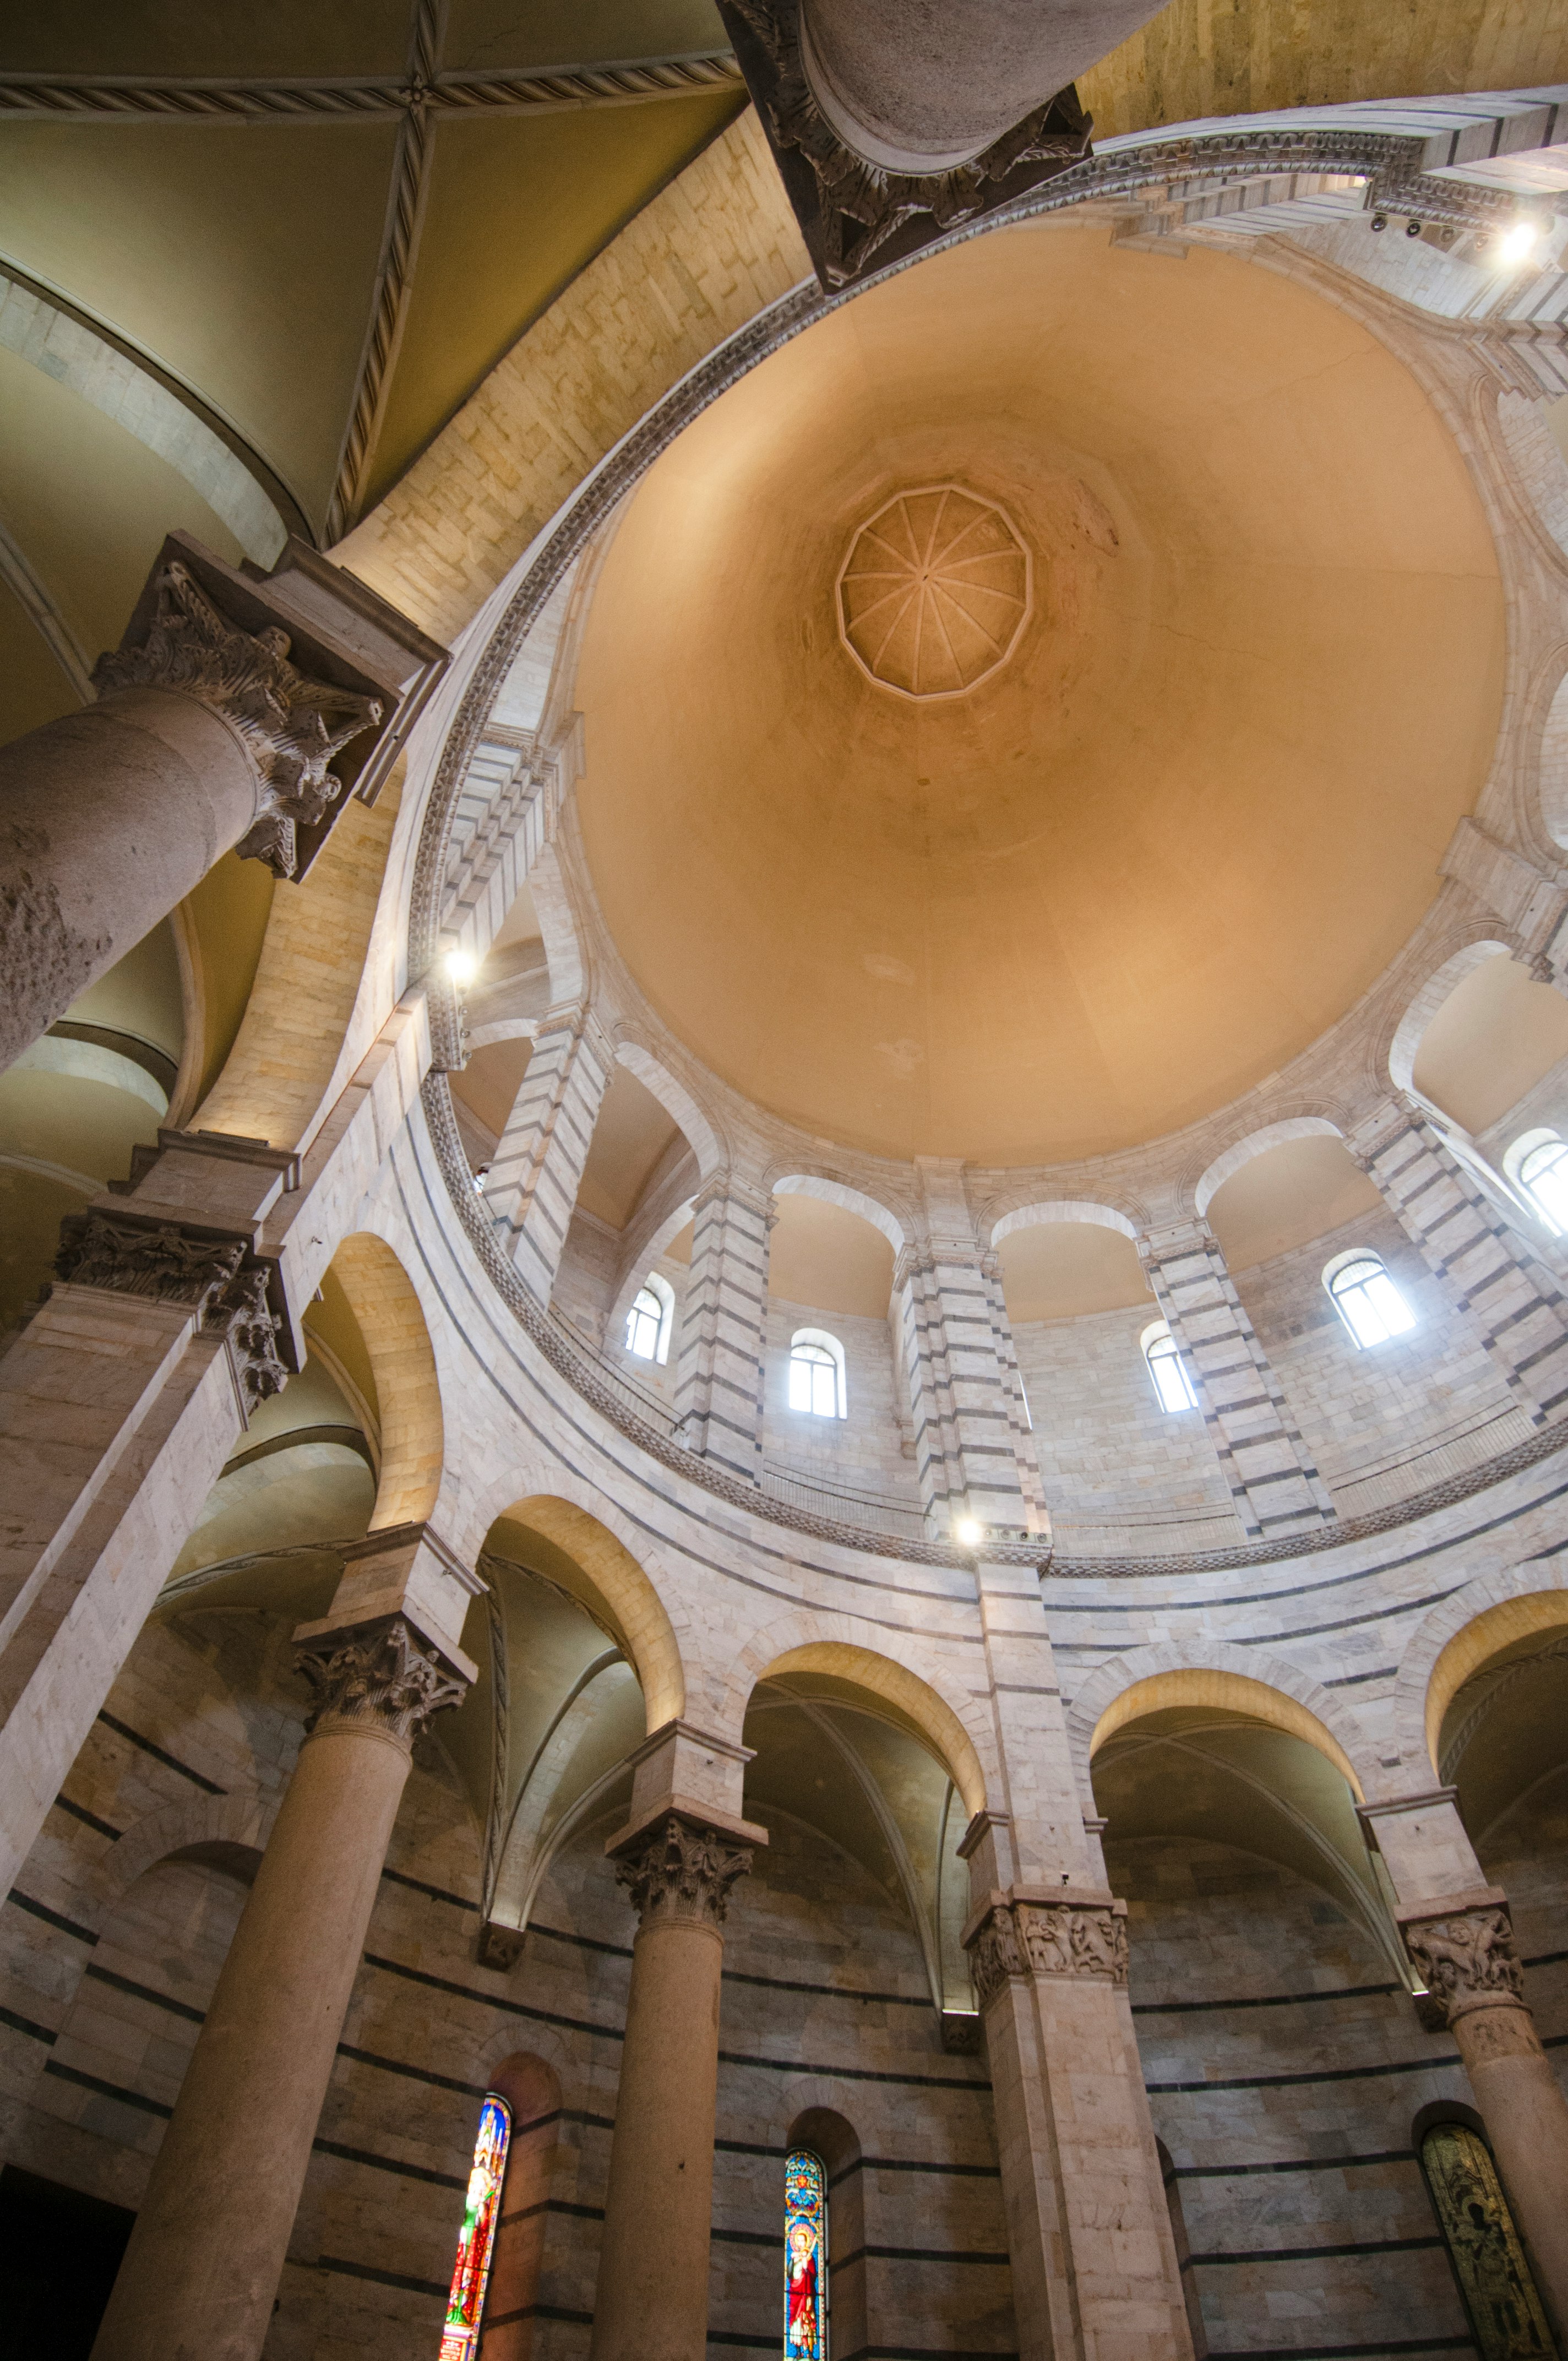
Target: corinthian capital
[
  {"x": 681, "y": 1870},
  {"x": 1467, "y": 1960},
  {"x": 382, "y": 1676},
  {"x": 292, "y": 725}
]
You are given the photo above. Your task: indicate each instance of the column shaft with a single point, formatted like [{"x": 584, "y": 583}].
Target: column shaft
[
  {"x": 204, "y": 2259},
  {"x": 1481, "y": 1262},
  {"x": 651, "y": 2299},
  {"x": 533, "y": 1181},
  {"x": 1272, "y": 1480},
  {"x": 719, "y": 1368}
]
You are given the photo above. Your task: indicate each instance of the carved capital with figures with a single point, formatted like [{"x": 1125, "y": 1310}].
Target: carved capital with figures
[
  {"x": 679, "y": 1870},
  {"x": 1045, "y": 1938},
  {"x": 382, "y": 1676},
  {"x": 206, "y": 1275},
  {"x": 291, "y": 724},
  {"x": 1467, "y": 1960}
]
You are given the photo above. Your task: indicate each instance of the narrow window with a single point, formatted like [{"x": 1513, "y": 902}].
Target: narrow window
[
  {"x": 1484, "y": 2245},
  {"x": 816, "y": 1374},
  {"x": 805, "y": 2257},
  {"x": 1542, "y": 1170},
  {"x": 475, "y": 2241},
  {"x": 1367, "y": 1299},
  {"x": 1168, "y": 1370},
  {"x": 648, "y": 1322}
]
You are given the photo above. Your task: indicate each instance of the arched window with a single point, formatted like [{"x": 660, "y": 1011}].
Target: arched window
[
  {"x": 649, "y": 1321},
  {"x": 816, "y": 1374},
  {"x": 805, "y": 2257},
  {"x": 477, "y": 2239},
  {"x": 1483, "y": 2244},
  {"x": 1166, "y": 1368},
  {"x": 1538, "y": 1161},
  {"x": 1366, "y": 1298}
]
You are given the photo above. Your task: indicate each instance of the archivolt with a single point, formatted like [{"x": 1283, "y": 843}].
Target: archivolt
[
  {"x": 1456, "y": 1637},
  {"x": 1268, "y": 1688},
  {"x": 383, "y": 1300}
]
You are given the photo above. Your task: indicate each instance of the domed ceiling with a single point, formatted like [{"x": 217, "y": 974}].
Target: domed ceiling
[{"x": 1087, "y": 844}]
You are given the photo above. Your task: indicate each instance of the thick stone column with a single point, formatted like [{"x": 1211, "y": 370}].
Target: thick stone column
[
  {"x": 1483, "y": 1263},
  {"x": 119, "y": 1402},
  {"x": 202, "y": 2270},
  {"x": 215, "y": 727},
  {"x": 1095, "y": 2265},
  {"x": 1267, "y": 1469},
  {"x": 724, "y": 1326},
  {"x": 678, "y": 1860},
  {"x": 973, "y": 1446},
  {"x": 538, "y": 1166},
  {"x": 918, "y": 89},
  {"x": 1460, "y": 1936}
]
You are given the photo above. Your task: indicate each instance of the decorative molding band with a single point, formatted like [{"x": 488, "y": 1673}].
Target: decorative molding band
[
  {"x": 681, "y": 1873},
  {"x": 381, "y": 1676},
  {"x": 329, "y": 98},
  {"x": 1047, "y": 1938}
]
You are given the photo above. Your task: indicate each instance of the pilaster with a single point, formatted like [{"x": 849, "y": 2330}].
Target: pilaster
[
  {"x": 719, "y": 1366},
  {"x": 1268, "y": 1471},
  {"x": 1480, "y": 1260},
  {"x": 538, "y": 1166}
]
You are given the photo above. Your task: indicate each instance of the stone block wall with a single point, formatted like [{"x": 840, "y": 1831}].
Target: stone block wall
[
  {"x": 864, "y": 1451},
  {"x": 1383, "y": 1421}
]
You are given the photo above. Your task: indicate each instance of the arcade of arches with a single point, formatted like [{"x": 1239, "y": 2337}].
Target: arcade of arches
[{"x": 784, "y": 1182}]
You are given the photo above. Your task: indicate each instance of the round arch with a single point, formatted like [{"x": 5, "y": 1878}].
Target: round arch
[
  {"x": 677, "y": 1103},
  {"x": 1455, "y": 1639},
  {"x": 382, "y": 1298},
  {"x": 624, "y": 1587},
  {"x": 1410, "y": 1028},
  {"x": 1254, "y": 1144},
  {"x": 1266, "y": 1689},
  {"x": 1061, "y": 1209},
  {"x": 850, "y": 1650},
  {"x": 850, "y": 1200}
]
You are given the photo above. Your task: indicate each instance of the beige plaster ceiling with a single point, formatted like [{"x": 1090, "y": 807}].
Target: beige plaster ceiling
[
  {"x": 1287, "y": 1196},
  {"x": 631, "y": 1138},
  {"x": 822, "y": 1256},
  {"x": 1493, "y": 1039},
  {"x": 1056, "y": 1271},
  {"x": 1175, "y": 835}
]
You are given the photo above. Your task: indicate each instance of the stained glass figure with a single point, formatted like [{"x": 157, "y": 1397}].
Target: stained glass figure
[
  {"x": 477, "y": 2240},
  {"x": 1484, "y": 2245},
  {"x": 805, "y": 2257}
]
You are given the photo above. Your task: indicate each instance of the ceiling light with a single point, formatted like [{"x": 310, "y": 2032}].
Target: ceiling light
[
  {"x": 462, "y": 967},
  {"x": 1516, "y": 244},
  {"x": 968, "y": 1532}
]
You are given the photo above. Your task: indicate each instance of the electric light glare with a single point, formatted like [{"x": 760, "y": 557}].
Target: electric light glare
[
  {"x": 1515, "y": 243},
  {"x": 462, "y": 967},
  {"x": 969, "y": 1530}
]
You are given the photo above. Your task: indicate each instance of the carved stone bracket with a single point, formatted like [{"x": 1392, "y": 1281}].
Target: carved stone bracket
[
  {"x": 169, "y": 1265},
  {"x": 292, "y": 725},
  {"x": 1467, "y": 1960},
  {"x": 1045, "y": 1938},
  {"x": 381, "y": 1676},
  {"x": 856, "y": 217},
  {"x": 680, "y": 1870}
]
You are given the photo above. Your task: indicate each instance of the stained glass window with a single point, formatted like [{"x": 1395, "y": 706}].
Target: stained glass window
[
  {"x": 477, "y": 2240},
  {"x": 805, "y": 2257},
  {"x": 1484, "y": 2245}
]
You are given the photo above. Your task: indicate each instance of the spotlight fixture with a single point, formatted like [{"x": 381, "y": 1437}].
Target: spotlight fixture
[
  {"x": 1380, "y": 221},
  {"x": 462, "y": 967},
  {"x": 1412, "y": 229},
  {"x": 969, "y": 1532}
]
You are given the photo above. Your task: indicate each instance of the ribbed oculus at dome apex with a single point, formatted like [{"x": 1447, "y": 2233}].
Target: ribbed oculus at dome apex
[{"x": 934, "y": 592}]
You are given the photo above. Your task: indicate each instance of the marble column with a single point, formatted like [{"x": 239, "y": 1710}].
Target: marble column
[
  {"x": 1460, "y": 1937},
  {"x": 973, "y": 1447},
  {"x": 220, "y": 723},
  {"x": 724, "y": 1326},
  {"x": 1095, "y": 2265},
  {"x": 1481, "y": 1262},
  {"x": 678, "y": 1860},
  {"x": 537, "y": 1167},
  {"x": 1268, "y": 1470},
  {"x": 921, "y": 90},
  {"x": 202, "y": 2270},
  {"x": 120, "y": 1401}
]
